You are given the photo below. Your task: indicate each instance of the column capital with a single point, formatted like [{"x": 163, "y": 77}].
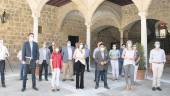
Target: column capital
[
  {"x": 142, "y": 14},
  {"x": 120, "y": 30},
  {"x": 88, "y": 24},
  {"x": 35, "y": 14}
]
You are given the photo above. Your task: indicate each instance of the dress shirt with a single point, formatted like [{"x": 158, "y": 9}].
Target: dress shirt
[
  {"x": 157, "y": 56},
  {"x": 44, "y": 53},
  {"x": 19, "y": 55},
  {"x": 3, "y": 53},
  {"x": 70, "y": 53},
  {"x": 95, "y": 51},
  {"x": 87, "y": 52},
  {"x": 102, "y": 52},
  {"x": 114, "y": 54},
  {"x": 31, "y": 47}
]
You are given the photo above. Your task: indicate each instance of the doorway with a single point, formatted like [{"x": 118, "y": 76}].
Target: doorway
[{"x": 73, "y": 39}]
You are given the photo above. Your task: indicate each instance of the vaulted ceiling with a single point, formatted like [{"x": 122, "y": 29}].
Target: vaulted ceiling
[
  {"x": 58, "y": 3},
  {"x": 121, "y": 2}
]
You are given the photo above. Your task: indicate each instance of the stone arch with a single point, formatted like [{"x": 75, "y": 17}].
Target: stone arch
[
  {"x": 64, "y": 12},
  {"x": 107, "y": 12},
  {"x": 160, "y": 11},
  {"x": 73, "y": 25},
  {"x": 107, "y": 33}
]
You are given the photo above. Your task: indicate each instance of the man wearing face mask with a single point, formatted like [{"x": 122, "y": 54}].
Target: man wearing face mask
[
  {"x": 3, "y": 54},
  {"x": 94, "y": 54},
  {"x": 114, "y": 55},
  {"x": 80, "y": 62},
  {"x": 129, "y": 65},
  {"x": 67, "y": 53},
  {"x": 102, "y": 59},
  {"x": 30, "y": 56},
  {"x": 44, "y": 60},
  {"x": 157, "y": 60}
]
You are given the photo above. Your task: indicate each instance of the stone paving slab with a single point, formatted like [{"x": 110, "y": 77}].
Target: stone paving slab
[{"x": 143, "y": 88}]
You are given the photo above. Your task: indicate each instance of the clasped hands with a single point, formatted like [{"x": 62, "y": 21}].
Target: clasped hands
[{"x": 103, "y": 62}]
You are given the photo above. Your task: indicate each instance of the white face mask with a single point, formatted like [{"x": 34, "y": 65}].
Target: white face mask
[
  {"x": 102, "y": 49},
  {"x": 57, "y": 50},
  {"x": 31, "y": 38},
  {"x": 157, "y": 46},
  {"x": 68, "y": 44},
  {"x": 114, "y": 48},
  {"x": 81, "y": 46},
  {"x": 134, "y": 48},
  {"x": 129, "y": 45}
]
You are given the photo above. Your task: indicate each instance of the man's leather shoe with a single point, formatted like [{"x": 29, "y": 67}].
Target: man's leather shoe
[
  {"x": 3, "y": 85},
  {"x": 23, "y": 89},
  {"x": 64, "y": 80},
  {"x": 96, "y": 87},
  {"x": 35, "y": 88},
  {"x": 159, "y": 89},
  {"x": 153, "y": 88},
  {"x": 106, "y": 87}
]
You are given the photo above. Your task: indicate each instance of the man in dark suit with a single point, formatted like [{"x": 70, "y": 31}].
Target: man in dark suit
[
  {"x": 102, "y": 60},
  {"x": 30, "y": 56}
]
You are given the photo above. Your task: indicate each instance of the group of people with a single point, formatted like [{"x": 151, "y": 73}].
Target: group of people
[
  {"x": 68, "y": 60},
  {"x": 73, "y": 61}
]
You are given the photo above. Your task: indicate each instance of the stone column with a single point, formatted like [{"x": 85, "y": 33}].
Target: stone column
[
  {"x": 121, "y": 36},
  {"x": 35, "y": 26},
  {"x": 88, "y": 38},
  {"x": 88, "y": 35},
  {"x": 144, "y": 33}
]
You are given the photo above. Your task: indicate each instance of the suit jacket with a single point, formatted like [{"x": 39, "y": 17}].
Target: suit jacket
[
  {"x": 99, "y": 59},
  {"x": 26, "y": 51},
  {"x": 65, "y": 53},
  {"x": 47, "y": 55}
]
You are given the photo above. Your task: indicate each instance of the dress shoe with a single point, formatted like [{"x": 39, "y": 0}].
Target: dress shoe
[
  {"x": 64, "y": 80},
  {"x": 46, "y": 79},
  {"x": 58, "y": 89},
  {"x": 35, "y": 88},
  {"x": 23, "y": 89},
  {"x": 153, "y": 88},
  {"x": 53, "y": 90},
  {"x": 159, "y": 89},
  {"x": 3, "y": 85},
  {"x": 106, "y": 87},
  {"x": 40, "y": 79},
  {"x": 96, "y": 87},
  {"x": 71, "y": 79}
]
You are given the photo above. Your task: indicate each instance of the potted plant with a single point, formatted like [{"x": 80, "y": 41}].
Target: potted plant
[{"x": 142, "y": 63}]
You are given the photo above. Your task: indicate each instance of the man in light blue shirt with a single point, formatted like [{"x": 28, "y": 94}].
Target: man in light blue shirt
[{"x": 157, "y": 60}]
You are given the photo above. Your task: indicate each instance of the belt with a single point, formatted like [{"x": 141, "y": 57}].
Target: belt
[
  {"x": 157, "y": 62},
  {"x": 28, "y": 57}
]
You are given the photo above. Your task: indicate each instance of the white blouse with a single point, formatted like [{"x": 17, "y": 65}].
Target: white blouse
[
  {"x": 128, "y": 55},
  {"x": 80, "y": 55}
]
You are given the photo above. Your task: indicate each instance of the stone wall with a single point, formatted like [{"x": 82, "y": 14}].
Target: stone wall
[{"x": 19, "y": 24}]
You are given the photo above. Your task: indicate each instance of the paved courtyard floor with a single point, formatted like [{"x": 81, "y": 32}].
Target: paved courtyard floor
[{"x": 143, "y": 88}]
